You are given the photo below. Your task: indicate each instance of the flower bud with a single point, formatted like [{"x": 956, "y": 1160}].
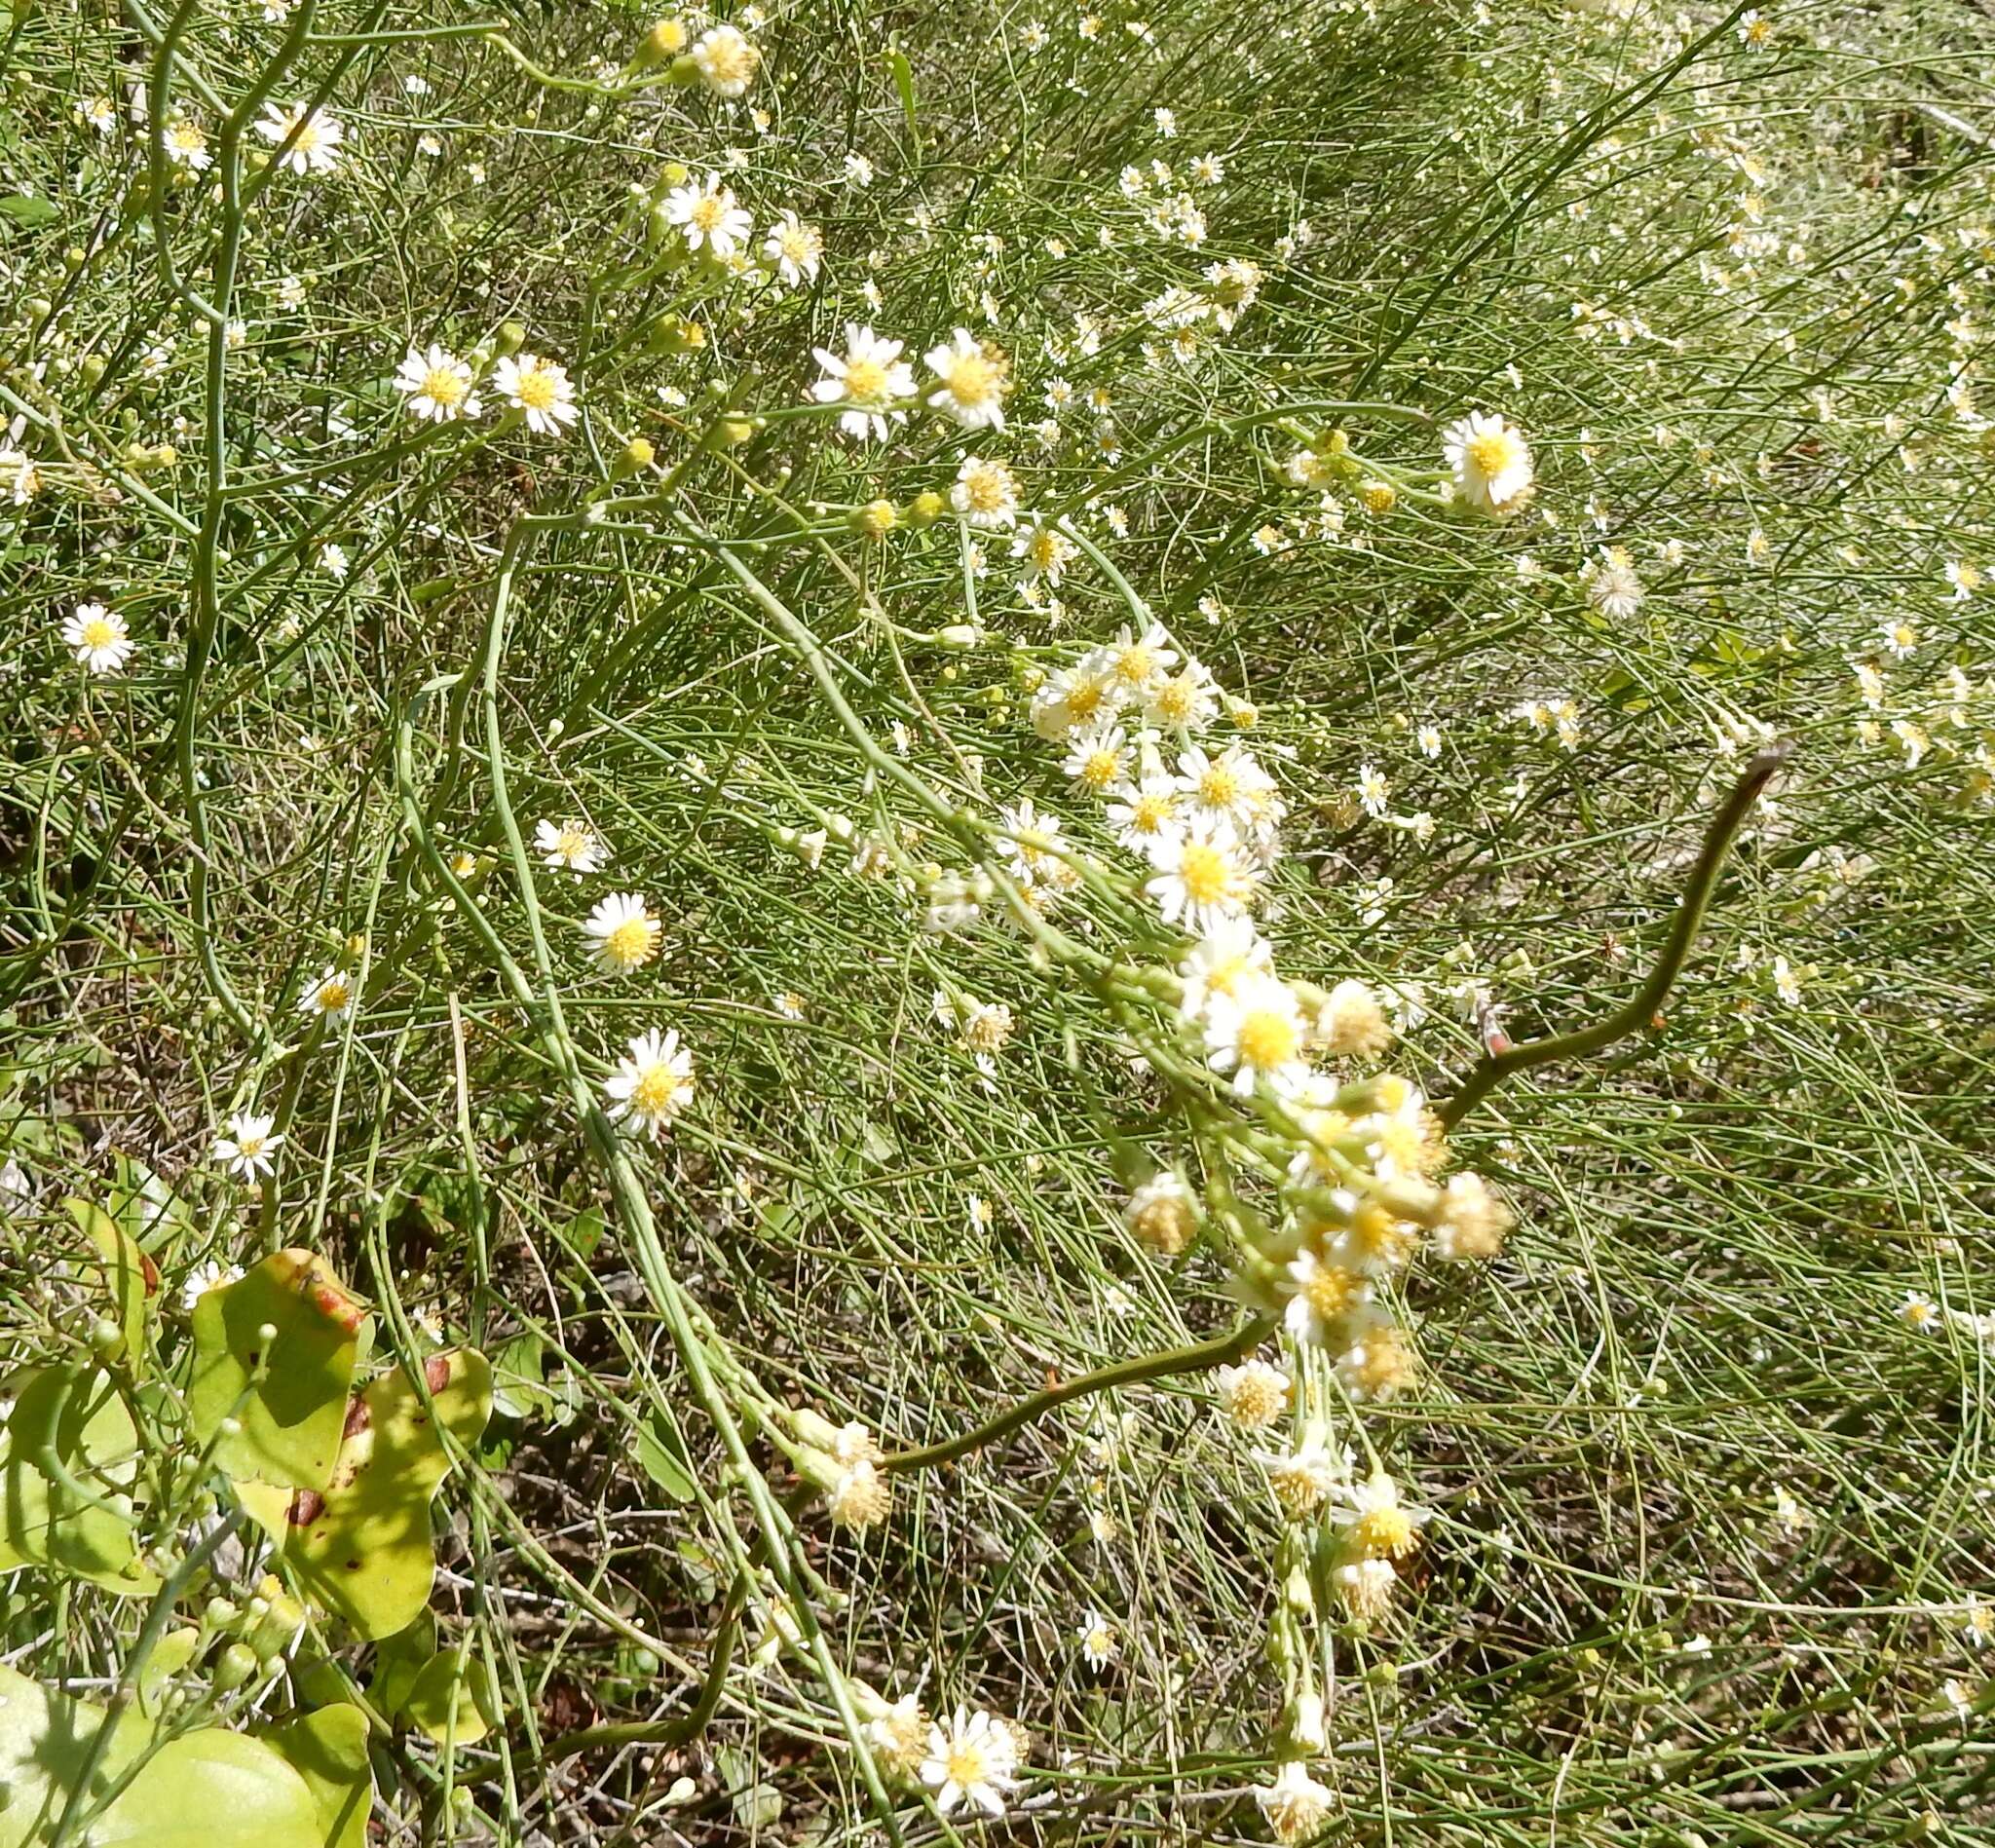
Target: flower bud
[
  {"x": 637, "y": 454},
  {"x": 875, "y": 519},
  {"x": 509, "y": 338},
  {"x": 235, "y": 1666},
  {"x": 666, "y": 39},
  {"x": 927, "y": 508}
]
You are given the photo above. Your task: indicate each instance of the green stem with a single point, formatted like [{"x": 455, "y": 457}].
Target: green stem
[
  {"x": 1584, "y": 1042},
  {"x": 1201, "y": 1357}
]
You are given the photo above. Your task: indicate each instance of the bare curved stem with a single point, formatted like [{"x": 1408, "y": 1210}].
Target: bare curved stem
[
  {"x": 1583, "y": 1042},
  {"x": 1200, "y": 1357}
]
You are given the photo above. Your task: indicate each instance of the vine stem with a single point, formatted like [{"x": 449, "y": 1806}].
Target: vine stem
[
  {"x": 1583, "y": 1042},
  {"x": 1200, "y": 1357}
]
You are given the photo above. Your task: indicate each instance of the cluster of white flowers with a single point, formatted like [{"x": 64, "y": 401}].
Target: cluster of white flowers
[{"x": 439, "y": 386}]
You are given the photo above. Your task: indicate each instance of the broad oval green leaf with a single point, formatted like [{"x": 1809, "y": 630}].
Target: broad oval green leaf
[
  {"x": 67, "y": 1451},
  {"x": 207, "y": 1789},
  {"x": 292, "y": 1418}
]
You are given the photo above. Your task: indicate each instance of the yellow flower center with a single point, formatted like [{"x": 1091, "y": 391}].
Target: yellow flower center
[
  {"x": 1328, "y": 1291},
  {"x": 572, "y": 843},
  {"x": 1045, "y": 550},
  {"x": 865, "y": 379},
  {"x": 985, "y": 490},
  {"x": 965, "y": 1764},
  {"x": 1204, "y": 873},
  {"x": 444, "y": 385},
  {"x": 1218, "y": 787},
  {"x": 1100, "y": 769},
  {"x": 1150, "y": 814},
  {"x": 1491, "y": 453},
  {"x": 1268, "y": 1039},
  {"x": 333, "y": 995},
  {"x": 631, "y": 943},
  {"x": 535, "y": 389},
  {"x": 98, "y": 632},
  {"x": 795, "y": 243},
  {"x": 658, "y": 1090},
  {"x": 1384, "y": 1533},
  {"x": 972, "y": 379},
  {"x": 310, "y": 136},
  {"x": 1084, "y": 698},
  {"x": 1135, "y": 664},
  {"x": 1224, "y": 977},
  {"x": 707, "y": 212},
  {"x": 188, "y": 139},
  {"x": 1174, "y": 702}
]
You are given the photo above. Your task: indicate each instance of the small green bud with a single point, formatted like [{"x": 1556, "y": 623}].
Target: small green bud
[
  {"x": 235, "y": 1666},
  {"x": 509, "y": 338},
  {"x": 926, "y": 508},
  {"x": 637, "y": 454},
  {"x": 106, "y": 1338}
]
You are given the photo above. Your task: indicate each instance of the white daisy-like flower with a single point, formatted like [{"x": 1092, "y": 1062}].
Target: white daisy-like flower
[
  {"x": 437, "y": 385},
  {"x": 187, "y": 145},
  {"x": 1184, "y": 702},
  {"x": 1043, "y": 554},
  {"x": 1098, "y": 758},
  {"x": 1143, "y": 813},
  {"x": 1137, "y": 663},
  {"x": 1303, "y": 1478},
  {"x": 795, "y": 252},
  {"x": 1229, "y": 955},
  {"x": 652, "y": 1083},
  {"x": 1375, "y": 791},
  {"x": 1322, "y": 1298},
  {"x": 970, "y": 382},
  {"x": 1295, "y": 1805},
  {"x": 1098, "y": 1641},
  {"x": 540, "y": 390},
  {"x": 1163, "y": 1212},
  {"x": 726, "y": 60},
  {"x": 99, "y": 638},
  {"x": 624, "y": 934},
  {"x": 985, "y": 494},
  {"x": 1034, "y": 845},
  {"x": 100, "y": 113},
  {"x": 1073, "y": 699},
  {"x": 571, "y": 845},
  {"x": 316, "y": 150},
  {"x": 1491, "y": 463},
  {"x": 1612, "y": 584},
  {"x": 1374, "y": 1519},
  {"x": 1202, "y": 879},
  {"x": 972, "y": 1759},
  {"x": 330, "y": 997},
  {"x": 1253, "y": 1394},
  {"x": 869, "y": 378},
  {"x": 203, "y": 1277},
  {"x": 708, "y": 216},
  {"x": 1257, "y": 1032},
  {"x": 1220, "y": 791},
  {"x": 249, "y": 1148}
]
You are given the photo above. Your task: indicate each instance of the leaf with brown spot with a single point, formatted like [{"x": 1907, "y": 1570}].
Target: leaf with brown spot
[
  {"x": 365, "y": 1553},
  {"x": 293, "y": 1415}
]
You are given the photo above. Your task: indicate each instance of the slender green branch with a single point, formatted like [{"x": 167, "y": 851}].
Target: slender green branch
[
  {"x": 1201, "y": 1357},
  {"x": 1584, "y": 1042},
  {"x": 690, "y": 1724}
]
